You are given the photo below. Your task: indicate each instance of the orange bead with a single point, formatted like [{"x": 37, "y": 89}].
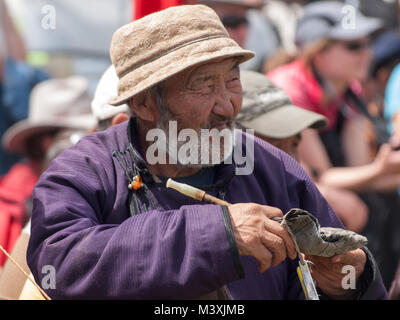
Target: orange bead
[{"x": 136, "y": 182}]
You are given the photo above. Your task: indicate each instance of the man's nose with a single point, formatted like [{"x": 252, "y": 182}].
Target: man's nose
[{"x": 223, "y": 102}]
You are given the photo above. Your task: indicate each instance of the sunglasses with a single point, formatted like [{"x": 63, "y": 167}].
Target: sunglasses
[
  {"x": 233, "y": 21},
  {"x": 355, "y": 46}
]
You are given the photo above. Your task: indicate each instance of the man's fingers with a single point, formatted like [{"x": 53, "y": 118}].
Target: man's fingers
[
  {"x": 271, "y": 212},
  {"x": 327, "y": 285},
  {"x": 352, "y": 257},
  {"x": 258, "y": 236},
  {"x": 326, "y": 262},
  {"x": 277, "y": 229},
  {"x": 345, "y": 258},
  {"x": 264, "y": 257},
  {"x": 331, "y": 273},
  {"x": 277, "y": 247}
]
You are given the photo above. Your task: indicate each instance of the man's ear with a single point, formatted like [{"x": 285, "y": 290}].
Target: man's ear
[
  {"x": 120, "y": 117},
  {"x": 144, "y": 107}
]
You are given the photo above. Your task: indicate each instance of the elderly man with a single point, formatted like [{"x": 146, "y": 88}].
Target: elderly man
[{"x": 118, "y": 232}]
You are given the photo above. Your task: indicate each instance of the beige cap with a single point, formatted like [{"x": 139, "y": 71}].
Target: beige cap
[{"x": 269, "y": 111}]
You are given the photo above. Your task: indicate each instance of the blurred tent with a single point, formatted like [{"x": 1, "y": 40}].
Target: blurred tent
[
  {"x": 74, "y": 35},
  {"x": 73, "y": 26}
]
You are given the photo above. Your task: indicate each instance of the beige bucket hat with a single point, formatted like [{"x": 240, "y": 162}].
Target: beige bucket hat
[
  {"x": 269, "y": 111},
  {"x": 54, "y": 104},
  {"x": 162, "y": 44}
]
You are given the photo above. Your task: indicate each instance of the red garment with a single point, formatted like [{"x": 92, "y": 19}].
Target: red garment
[
  {"x": 306, "y": 92},
  {"x": 15, "y": 188},
  {"x": 145, "y": 7}
]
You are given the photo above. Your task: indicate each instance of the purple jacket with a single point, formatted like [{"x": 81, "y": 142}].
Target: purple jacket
[{"x": 84, "y": 225}]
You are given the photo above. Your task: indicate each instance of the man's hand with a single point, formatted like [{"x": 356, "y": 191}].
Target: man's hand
[
  {"x": 258, "y": 236},
  {"x": 327, "y": 272}
]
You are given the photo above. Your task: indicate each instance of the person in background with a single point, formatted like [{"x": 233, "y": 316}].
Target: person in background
[
  {"x": 14, "y": 284},
  {"x": 12, "y": 281},
  {"x": 386, "y": 10},
  {"x": 335, "y": 58},
  {"x": 284, "y": 14},
  {"x": 106, "y": 114},
  {"x": 392, "y": 106},
  {"x": 17, "y": 79},
  {"x": 386, "y": 56},
  {"x": 281, "y": 124},
  {"x": 392, "y": 117},
  {"x": 248, "y": 27},
  {"x": 325, "y": 80},
  {"x": 145, "y": 7},
  {"x": 55, "y": 104}
]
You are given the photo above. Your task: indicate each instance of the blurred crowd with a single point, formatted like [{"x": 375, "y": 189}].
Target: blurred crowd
[{"x": 340, "y": 61}]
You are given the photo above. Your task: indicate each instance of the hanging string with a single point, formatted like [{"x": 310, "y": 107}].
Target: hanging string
[{"x": 25, "y": 273}]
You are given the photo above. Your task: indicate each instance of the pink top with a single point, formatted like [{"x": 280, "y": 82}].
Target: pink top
[{"x": 306, "y": 92}]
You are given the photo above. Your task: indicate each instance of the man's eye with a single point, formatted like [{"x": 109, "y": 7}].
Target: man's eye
[
  {"x": 204, "y": 88},
  {"x": 233, "y": 82},
  {"x": 209, "y": 89}
]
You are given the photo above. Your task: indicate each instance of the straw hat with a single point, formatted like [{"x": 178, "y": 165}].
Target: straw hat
[
  {"x": 160, "y": 45},
  {"x": 269, "y": 111},
  {"x": 54, "y": 104}
]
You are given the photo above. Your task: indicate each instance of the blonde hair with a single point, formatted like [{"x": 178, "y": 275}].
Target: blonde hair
[
  {"x": 277, "y": 59},
  {"x": 282, "y": 57},
  {"x": 309, "y": 51}
]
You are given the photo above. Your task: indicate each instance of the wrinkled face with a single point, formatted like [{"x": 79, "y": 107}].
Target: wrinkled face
[
  {"x": 205, "y": 97},
  {"x": 208, "y": 94},
  {"x": 346, "y": 60}
]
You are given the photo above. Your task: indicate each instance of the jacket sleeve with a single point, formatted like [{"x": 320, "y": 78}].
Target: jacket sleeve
[{"x": 172, "y": 254}]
